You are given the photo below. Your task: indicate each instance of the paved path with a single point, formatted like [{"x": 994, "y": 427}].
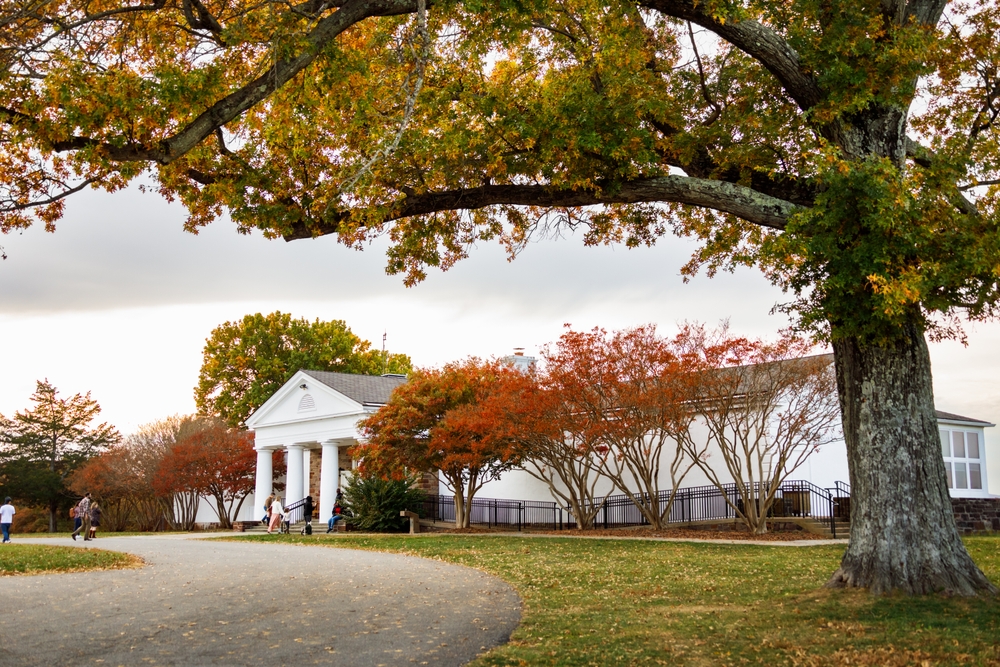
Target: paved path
[{"x": 230, "y": 603}]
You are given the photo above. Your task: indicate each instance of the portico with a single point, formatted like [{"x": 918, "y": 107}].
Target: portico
[{"x": 313, "y": 415}]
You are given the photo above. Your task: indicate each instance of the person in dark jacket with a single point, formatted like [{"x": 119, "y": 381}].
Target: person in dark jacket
[
  {"x": 307, "y": 509},
  {"x": 95, "y": 519}
]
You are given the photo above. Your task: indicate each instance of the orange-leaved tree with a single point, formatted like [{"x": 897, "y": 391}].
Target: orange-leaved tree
[
  {"x": 124, "y": 476},
  {"x": 630, "y": 392},
  {"x": 557, "y": 442},
  {"x": 441, "y": 421},
  {"x": 111, "y": 477},
  {"x": 214, "y": 461}
]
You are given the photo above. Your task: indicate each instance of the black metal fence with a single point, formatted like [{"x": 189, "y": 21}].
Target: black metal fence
[
  {"x": 794, "y": 498},
  {"x": 293, "y": 513},
  {"x": 496, "y": 512}
]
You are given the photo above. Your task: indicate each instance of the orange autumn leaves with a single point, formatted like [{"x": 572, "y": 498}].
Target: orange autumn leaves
[
  {"x": 614, "y": 406},
  {"x": 159, "y": 473},
  {"x": 455, "y": 421}
]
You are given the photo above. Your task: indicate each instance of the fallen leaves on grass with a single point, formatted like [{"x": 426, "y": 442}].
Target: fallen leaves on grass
[
  {"x": 28, "y": 559},
  {"x": 887, "y": 656},
  {"x": 691, "y": 534}
]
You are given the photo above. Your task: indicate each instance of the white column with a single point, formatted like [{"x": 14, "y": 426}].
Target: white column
[
  {"x": 306, "y": 457},
  {"x": 328, "y": 479},
  {"x": 293, "y": 480},
  {"x": 265, "y": 477}
]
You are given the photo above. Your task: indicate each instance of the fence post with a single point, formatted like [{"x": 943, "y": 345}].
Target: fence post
[
  {"x": 833, "y": 519},
  {"x": 604, "y": 508},
  {"x": 520, "y": 511}
]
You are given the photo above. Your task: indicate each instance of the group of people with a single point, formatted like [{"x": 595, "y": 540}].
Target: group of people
[
  {"x": 273, "y": 513},
  {"x": 86, "y": 517}
]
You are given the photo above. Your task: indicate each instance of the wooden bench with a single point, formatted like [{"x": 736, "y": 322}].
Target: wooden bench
[{"x": 414, "y": 521}]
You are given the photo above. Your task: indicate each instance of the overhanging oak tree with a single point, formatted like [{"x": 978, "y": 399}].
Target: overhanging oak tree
[{"x": 782, "y": 134}]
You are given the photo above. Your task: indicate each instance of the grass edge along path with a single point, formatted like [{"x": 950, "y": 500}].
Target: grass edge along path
[
  {"x": 22, "y": 559},
  {"x": 639, "y": 602}
]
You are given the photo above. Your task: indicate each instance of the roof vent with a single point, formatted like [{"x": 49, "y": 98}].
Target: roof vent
[
  {"x": 394, "y": 375},
  {"x": 307, "y": 403}
]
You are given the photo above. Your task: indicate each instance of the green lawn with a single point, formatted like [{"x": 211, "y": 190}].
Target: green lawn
[
  {"x": 629, "y": 602},
  {"x": 42, "y": 558}
]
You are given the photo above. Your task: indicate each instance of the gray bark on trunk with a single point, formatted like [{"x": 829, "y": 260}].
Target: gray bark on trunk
[{"x": 903, "y": 532}]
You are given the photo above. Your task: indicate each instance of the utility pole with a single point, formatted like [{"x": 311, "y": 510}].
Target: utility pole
[{"x": 385, "y": 357}]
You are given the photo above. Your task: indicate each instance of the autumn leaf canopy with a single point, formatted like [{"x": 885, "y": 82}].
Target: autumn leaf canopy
[{"x": 848, "y": 149}]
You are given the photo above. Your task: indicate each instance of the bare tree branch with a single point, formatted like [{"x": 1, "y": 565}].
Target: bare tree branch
[{"x": 6, "y": 208}]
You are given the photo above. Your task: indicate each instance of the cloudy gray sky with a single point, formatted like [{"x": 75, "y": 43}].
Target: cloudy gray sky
[{"x": 120, "y": 300}]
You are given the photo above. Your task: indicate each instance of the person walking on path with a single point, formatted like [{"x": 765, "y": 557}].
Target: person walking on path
[
  {"x": 83, "y": 511},
  {"x": 7, "y": 513},
  {"x": 275, "y": 510},
  {"x": 267, "y": 509},
  {"x": 95, "y": 519},
  {"x": 77, "y": 519}
]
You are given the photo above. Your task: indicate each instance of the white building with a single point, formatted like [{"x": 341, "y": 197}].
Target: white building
[{"x": 313, "y": 418}]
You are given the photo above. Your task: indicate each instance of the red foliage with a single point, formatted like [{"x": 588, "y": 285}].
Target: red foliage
[
  {"x": 443, "y": 420},
  {"x": 215, "y": 461}
]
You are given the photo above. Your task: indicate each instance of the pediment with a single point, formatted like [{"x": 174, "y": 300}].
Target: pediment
[{"x": 293, "y": 403}]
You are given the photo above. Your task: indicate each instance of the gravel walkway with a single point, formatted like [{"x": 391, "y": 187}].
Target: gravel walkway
[{"x": 228, "y": 603}]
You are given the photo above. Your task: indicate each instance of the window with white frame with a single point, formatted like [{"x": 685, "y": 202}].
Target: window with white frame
[{"x": 963, "y": 462}]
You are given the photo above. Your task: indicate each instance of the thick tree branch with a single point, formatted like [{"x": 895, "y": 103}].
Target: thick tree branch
[
  {"x": 233, "y": 105},
  {"x": 756, "y": 40},
  {"x": 738, "y": 200}
]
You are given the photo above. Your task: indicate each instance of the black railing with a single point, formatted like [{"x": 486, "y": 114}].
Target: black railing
[
  {"x": 842, "y": 500},
  {"x": 293, "y": 514},
  {"x": 793, "y": 498},
  {"x": 496, "y": 511}
]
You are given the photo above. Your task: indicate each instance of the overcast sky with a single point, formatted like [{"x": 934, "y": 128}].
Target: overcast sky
[{"x": 119, "y": 301}]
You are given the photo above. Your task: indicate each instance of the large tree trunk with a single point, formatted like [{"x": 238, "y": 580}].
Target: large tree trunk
[{"x": 903, "y": 533}]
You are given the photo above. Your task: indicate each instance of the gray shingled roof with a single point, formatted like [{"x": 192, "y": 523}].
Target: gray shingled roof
[
  {"x": 365, "y": 389},
  {"x": 941, "y": 414}
]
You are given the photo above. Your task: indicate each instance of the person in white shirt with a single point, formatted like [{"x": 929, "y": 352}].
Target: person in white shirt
[
  {"x": 7, "y": 513},
  {"x": 275, "y": 515}
]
